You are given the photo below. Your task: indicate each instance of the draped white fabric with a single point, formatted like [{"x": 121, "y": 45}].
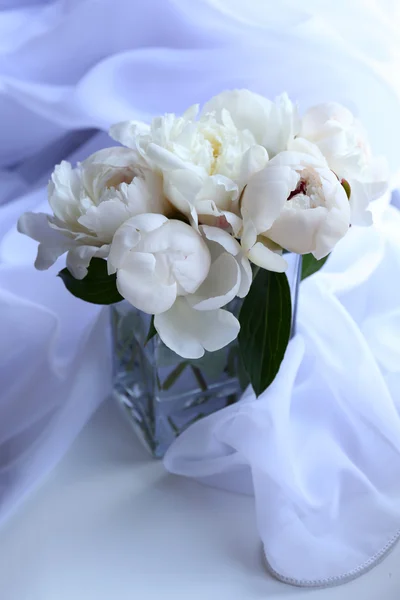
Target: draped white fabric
[
  {"x": 70, "y": 65},
  {"x": 320, "y": 449}
]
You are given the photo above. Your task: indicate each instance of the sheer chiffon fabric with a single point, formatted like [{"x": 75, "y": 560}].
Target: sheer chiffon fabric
[
  {"x": 320, "y": 449},
  {"x": 325, "y": 436}
]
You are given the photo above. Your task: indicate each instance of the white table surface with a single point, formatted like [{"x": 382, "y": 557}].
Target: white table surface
[{"x": 111, "y": 524}]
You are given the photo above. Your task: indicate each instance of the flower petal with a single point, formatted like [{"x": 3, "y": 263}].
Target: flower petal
[
  {"x": 52, "y": 242},
  {"x": 301, "y": 146},
  {"x": 262, "y": 255},
  {"x": 164, "y": 159},
  {"x": 181, "y": 186},
  {"x": 126, "y": 132},
  {"x": 249, "y": 236},
  {"x": 220, "y": 286},
  {"x": 309, "y": 156},
  {"x": 215, "y": 234},
  {"x": 370, "y": 185},
  {"x": 221, "y": 190},
  {"x": 137, "y": 281},
  {"x": 297, "y": 230},
  {"x": 331, "y": 230},
  {"x": 128, "y": 236},
  {"x": 78, "y": 258},
  {"x": 189, "y": 332},
  {"x": 266, "y": 194},
  {"x": 272, "y": 124},
  {"x": 234, "y": 221},
  {"x": 190, "y": 257},
  {"x": 144, "y": 194},
  {"x": 320, "y": 120},
  {"x": 254, "y": 160},
  {"x": 104, "y": 220},
  {"x": 107, "y": 168},
  {"x": 246, "y": 277},
  {"x": 64, "y": 191}
]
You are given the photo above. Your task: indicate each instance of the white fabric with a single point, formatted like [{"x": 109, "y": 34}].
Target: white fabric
[
  {"x": 111, "y": 524},
  {"x": 320, "y": 449},
  {"x": 68, "y": 65},
  {"x": 54, "y": 359},
  {"x": 79, "y": 63}
]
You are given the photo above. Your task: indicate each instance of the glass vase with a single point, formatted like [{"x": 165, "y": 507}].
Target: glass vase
[{"x": 162, "y": 393}]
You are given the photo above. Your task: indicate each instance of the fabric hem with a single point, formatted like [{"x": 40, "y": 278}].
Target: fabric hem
[{"x": 337, "y": 579}]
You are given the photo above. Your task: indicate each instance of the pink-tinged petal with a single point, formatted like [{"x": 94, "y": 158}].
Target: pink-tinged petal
[{"x": 235, "y": 222}]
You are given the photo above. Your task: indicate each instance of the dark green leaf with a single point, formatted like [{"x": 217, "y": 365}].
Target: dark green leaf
[
  {"x": 311, "y": 265},
  {"x": 242, "y": 374},
  {"x": 235, "y": 367},
  {"x": 97, "y": 287},
  {"x": 265, "y": 321},
  {"x": 152, "y": 331}
]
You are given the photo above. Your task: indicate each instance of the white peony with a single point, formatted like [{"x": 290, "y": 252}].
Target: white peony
[
  {"x": 205, "y": 162},
  {"x": 89, "y": 203},
  {"x": 196, "y": 322},
  {"x": 157, "y": 260},
  {"x": 297, "y": 203},
  {"x": 272, "y": 123},
  {"x": 343, "y": 141}
]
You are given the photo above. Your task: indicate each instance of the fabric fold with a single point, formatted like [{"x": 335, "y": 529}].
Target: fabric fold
[{"x": 320, "y": 449}]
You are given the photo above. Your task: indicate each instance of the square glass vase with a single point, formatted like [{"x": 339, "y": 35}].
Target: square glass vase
[{"x": 162, "y": 393}]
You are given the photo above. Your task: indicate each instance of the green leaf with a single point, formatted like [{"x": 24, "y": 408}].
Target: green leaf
[
  {"x": 152, "y": 331},
  {"x": 242, "y": 374},
  {"x": 265, "y": 323},
  {"x": 97, "y": 287},
  {"x": 311, "y": 265}
]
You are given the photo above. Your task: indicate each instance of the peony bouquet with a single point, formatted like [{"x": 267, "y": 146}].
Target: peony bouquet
[{"x": 192, "y": 211}]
